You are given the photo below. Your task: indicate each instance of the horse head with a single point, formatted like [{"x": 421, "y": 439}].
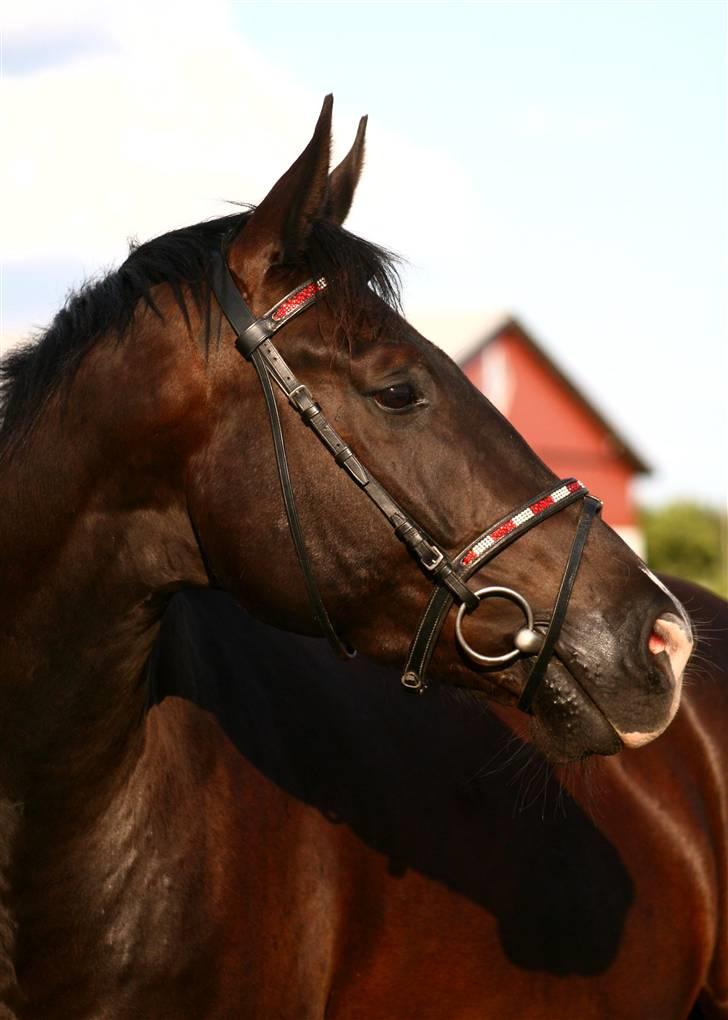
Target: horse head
[
  {"x": 180, "y": 435},
  {"x": 447, "y": 457}
]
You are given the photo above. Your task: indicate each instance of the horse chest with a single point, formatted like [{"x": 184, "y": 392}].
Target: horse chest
[{"x": 416, "y": 948}]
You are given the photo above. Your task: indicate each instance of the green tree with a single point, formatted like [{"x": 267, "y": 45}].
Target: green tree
[{"x": 688, "y": 540}]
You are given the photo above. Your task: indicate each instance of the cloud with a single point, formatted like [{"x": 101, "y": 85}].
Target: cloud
[
  {"x": 156, "y": 115},
  {"x": 135, "y": 138}
]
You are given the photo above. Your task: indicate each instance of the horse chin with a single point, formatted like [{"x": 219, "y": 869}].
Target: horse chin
[{"x": 567, "y": 724}]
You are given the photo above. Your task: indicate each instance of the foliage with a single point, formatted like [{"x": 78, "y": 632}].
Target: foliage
[{"x": 690, "y": 541}]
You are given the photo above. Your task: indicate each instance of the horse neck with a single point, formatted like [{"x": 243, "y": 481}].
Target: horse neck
[{"x": 94, "y": 538}]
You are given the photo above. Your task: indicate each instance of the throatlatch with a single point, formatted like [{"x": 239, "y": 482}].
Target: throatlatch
[{"x": 449, "y": 575}]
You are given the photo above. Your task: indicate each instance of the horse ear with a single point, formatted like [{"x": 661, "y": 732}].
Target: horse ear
[
  {"x": 278, "y": 229},
  {"x": 344, "y": 179}
]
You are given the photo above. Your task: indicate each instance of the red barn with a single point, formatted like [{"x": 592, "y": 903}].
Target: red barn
[{"x": 556, "y": 418}]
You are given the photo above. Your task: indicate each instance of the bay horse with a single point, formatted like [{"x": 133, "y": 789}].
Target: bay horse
[{"x": 136, "y": 464}]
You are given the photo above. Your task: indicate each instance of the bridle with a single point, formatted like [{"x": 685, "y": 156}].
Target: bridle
[{"x": 449, "y": 574}]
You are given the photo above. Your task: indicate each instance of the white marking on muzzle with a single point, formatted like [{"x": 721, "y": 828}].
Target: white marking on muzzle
[
  {"x": 679, "y": 608},
  {"x": 672, "y": 635}
]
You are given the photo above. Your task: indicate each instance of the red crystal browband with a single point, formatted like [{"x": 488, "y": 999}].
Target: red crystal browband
[
  {"x": 522, "y": 517},
  {"x": 251, "y": 332},
  {"x": 297, "y": 301}
]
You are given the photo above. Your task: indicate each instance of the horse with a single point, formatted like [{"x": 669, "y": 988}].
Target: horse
[{"x": 136, "y": 463}]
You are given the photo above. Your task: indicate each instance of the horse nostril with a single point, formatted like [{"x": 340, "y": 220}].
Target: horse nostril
[
  {"x": 671, "y": 634},
  {"x": 656, "y": 643}
]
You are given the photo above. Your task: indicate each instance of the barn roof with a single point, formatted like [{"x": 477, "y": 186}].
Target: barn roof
[
  {"x": 510, "y": 324},
  {"x": 466, "y": 335}
]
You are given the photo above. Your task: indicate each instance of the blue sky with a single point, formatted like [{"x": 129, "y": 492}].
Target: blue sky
[{"x": 564, "y": 161}]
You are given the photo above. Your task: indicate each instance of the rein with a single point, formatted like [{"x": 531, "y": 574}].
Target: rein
[{"x": 449, "y": 575}]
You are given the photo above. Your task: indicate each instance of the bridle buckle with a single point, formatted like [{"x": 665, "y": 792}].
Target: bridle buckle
[
  {"x": 414, "y": 682},
  {"x": 435, "y": 563}
]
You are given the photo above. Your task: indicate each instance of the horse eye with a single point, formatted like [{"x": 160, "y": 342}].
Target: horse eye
[{"x": 397, "y": 397}]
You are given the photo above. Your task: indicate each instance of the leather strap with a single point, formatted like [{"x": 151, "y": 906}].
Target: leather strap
[
  {"x": 232, "y": 304},
  {"x": 589, "y": 510},
  {"x": 294, "y": 522},
  {"x": 425, "y": 639},
  {"x": 427, "y": 552}
]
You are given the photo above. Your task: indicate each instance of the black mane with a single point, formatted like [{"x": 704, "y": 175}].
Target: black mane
[{"x": 181, "y": 259}]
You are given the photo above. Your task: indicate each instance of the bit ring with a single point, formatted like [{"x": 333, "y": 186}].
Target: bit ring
[{"x": 494, "y": 592}]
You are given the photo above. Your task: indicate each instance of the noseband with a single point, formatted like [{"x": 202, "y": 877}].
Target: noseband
[{"x": 450, "y": 575}]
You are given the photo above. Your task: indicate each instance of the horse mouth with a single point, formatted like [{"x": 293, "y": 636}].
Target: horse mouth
[
  {"x": 578, "y": 709},
  {"x": 568, "y": 724}
]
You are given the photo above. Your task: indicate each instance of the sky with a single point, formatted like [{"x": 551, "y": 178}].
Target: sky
[{"x": 561, "y": 161}]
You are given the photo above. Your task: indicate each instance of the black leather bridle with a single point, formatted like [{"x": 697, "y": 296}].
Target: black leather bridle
[{"x": 450, "y": 574}]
